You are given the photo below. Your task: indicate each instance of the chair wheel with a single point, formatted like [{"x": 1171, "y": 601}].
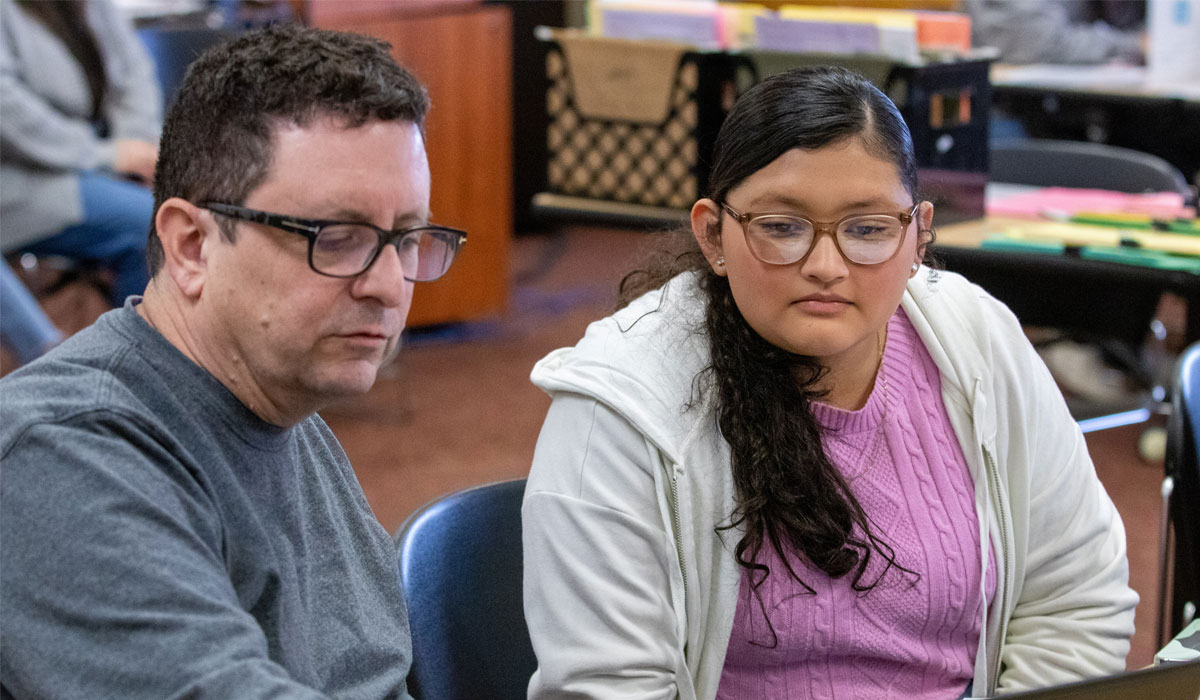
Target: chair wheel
[{"x": 1152, "y": 444}]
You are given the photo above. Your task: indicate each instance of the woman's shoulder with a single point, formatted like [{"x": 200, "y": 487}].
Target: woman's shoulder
[
  {"x": 954, "y": 306},
  {"x": 970, "y": 334},
  {"x": 650, "y": 350}
]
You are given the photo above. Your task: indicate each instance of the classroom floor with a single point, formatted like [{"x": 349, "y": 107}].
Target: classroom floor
[{"x": 457, "y": 409}]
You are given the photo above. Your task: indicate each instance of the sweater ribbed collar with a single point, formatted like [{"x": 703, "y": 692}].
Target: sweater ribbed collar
[{"x": 896, "y": 365}]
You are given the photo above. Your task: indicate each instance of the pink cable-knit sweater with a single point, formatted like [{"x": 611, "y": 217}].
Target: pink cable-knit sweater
[{"x": 908, "y": 637}]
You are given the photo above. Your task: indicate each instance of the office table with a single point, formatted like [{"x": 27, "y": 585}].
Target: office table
[
  {"x": 1062, "y": 289},
  {"x": 1066, "y": 289}
]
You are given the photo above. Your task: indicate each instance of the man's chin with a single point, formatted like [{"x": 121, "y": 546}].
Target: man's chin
[
  {"x": 349, "y": 381},
  {"x": 393, "y": 352}
]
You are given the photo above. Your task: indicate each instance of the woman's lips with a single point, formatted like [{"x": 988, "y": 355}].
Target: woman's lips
[{"x": 823, "y": 304}]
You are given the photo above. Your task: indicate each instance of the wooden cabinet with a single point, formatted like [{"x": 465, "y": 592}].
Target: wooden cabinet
[{"x": 461, "y": 51}]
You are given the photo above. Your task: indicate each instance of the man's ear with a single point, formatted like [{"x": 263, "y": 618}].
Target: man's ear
[
  {"x": 706, "y": 227},
  {"x": 184, "y": 235}
]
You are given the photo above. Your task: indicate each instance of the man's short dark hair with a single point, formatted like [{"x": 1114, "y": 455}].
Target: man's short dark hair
[{"x": 216, "y": 141}]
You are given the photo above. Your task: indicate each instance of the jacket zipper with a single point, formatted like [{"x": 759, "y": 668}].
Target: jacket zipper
[
  {"x": 994, "y": 666},
  {"x": 678, "y": 530}
]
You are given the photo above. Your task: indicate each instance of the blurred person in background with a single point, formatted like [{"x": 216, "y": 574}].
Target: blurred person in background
[
  {"x": 78, "y": 142},
  {"x": 25, "y": 330},
  {"x": 1058, "y": 31}
]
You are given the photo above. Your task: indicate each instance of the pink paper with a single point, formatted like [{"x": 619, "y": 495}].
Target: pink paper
[{"x": 1054, "y": 202}]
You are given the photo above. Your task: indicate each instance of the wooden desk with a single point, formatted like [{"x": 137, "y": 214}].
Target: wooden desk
[
  {"x": 461, "y": 50},
  {"x": 970, "y": 234}
]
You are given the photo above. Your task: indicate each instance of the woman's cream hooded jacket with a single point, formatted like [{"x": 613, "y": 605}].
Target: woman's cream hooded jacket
[{"x": 629, "y": 591}]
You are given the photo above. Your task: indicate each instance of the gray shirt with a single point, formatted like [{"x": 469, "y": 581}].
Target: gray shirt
[{"x": 157, "y": 539}]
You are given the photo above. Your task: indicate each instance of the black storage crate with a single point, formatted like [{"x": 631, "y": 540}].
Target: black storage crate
[
  {"x": 656, "y": 163},
  {"x": 622, "y": 166}
]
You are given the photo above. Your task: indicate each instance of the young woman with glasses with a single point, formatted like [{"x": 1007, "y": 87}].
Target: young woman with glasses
[{"x": 798, "y": 463}]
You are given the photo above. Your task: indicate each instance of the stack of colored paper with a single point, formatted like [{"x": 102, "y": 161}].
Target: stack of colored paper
[
  {"x": 943, "y": 31},
  {"x": 695, "y": 22},
  {"x": 1064, "y": 202},
  {"x": 897, "y": 34},
  {"x": 1184, "y": 647}
]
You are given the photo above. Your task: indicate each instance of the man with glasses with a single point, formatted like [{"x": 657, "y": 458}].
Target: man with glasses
[{"x": 176, "y": 519}]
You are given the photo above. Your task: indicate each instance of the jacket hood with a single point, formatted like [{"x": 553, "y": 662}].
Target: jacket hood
[
  {"x": 632, "y": 359},
  {"x": 636, "y": 359}
]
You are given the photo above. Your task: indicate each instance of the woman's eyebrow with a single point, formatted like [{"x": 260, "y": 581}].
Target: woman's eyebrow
[{"x": 776, "y": 202}]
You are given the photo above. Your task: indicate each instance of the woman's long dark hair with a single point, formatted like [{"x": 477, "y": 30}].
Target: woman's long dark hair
[
  {"x": 790, "y": 496},
  {"x": 67, "y": 19}
]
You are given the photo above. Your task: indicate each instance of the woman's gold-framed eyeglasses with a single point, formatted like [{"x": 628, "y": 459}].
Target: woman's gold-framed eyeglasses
[{"x": 863, "y": 239}]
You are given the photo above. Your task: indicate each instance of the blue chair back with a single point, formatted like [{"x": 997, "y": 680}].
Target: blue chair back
[
  {"x": 1183, "y": 506},
  {"x": 460, "y": 567}
]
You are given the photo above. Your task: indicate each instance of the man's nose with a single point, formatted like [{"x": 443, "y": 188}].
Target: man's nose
[{"x": 384, "y": 279}]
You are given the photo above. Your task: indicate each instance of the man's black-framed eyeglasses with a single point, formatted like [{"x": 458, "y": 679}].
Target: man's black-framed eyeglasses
[{"x": 348, "y": 248}]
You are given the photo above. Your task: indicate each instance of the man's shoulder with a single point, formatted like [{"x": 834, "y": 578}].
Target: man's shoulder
[
  {"x": 97, "y": 374},
  {"x": 55, "y": 387}
]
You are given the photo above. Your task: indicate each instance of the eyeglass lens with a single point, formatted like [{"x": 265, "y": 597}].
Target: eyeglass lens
[
  {"x": 863, "y": 239},
  {"x": 345, "y": 250}
]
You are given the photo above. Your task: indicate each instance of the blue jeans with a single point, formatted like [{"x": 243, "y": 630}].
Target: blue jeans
[
  {"x": 116, "y": 222},
  {"x": 24, "y": 328}
]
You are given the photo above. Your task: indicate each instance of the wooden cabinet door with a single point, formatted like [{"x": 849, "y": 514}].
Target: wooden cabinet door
[{"x": 462, "y": 53}]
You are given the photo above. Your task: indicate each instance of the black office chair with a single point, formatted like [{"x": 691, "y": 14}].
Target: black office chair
[
  {"x": 46, "y": 275},
  {"x": 460, "y": 567},
  {"x": 1052, "y": 163},
  {"x": 1103, "y": 304},
  {"x": 1179, "y": 560}
]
